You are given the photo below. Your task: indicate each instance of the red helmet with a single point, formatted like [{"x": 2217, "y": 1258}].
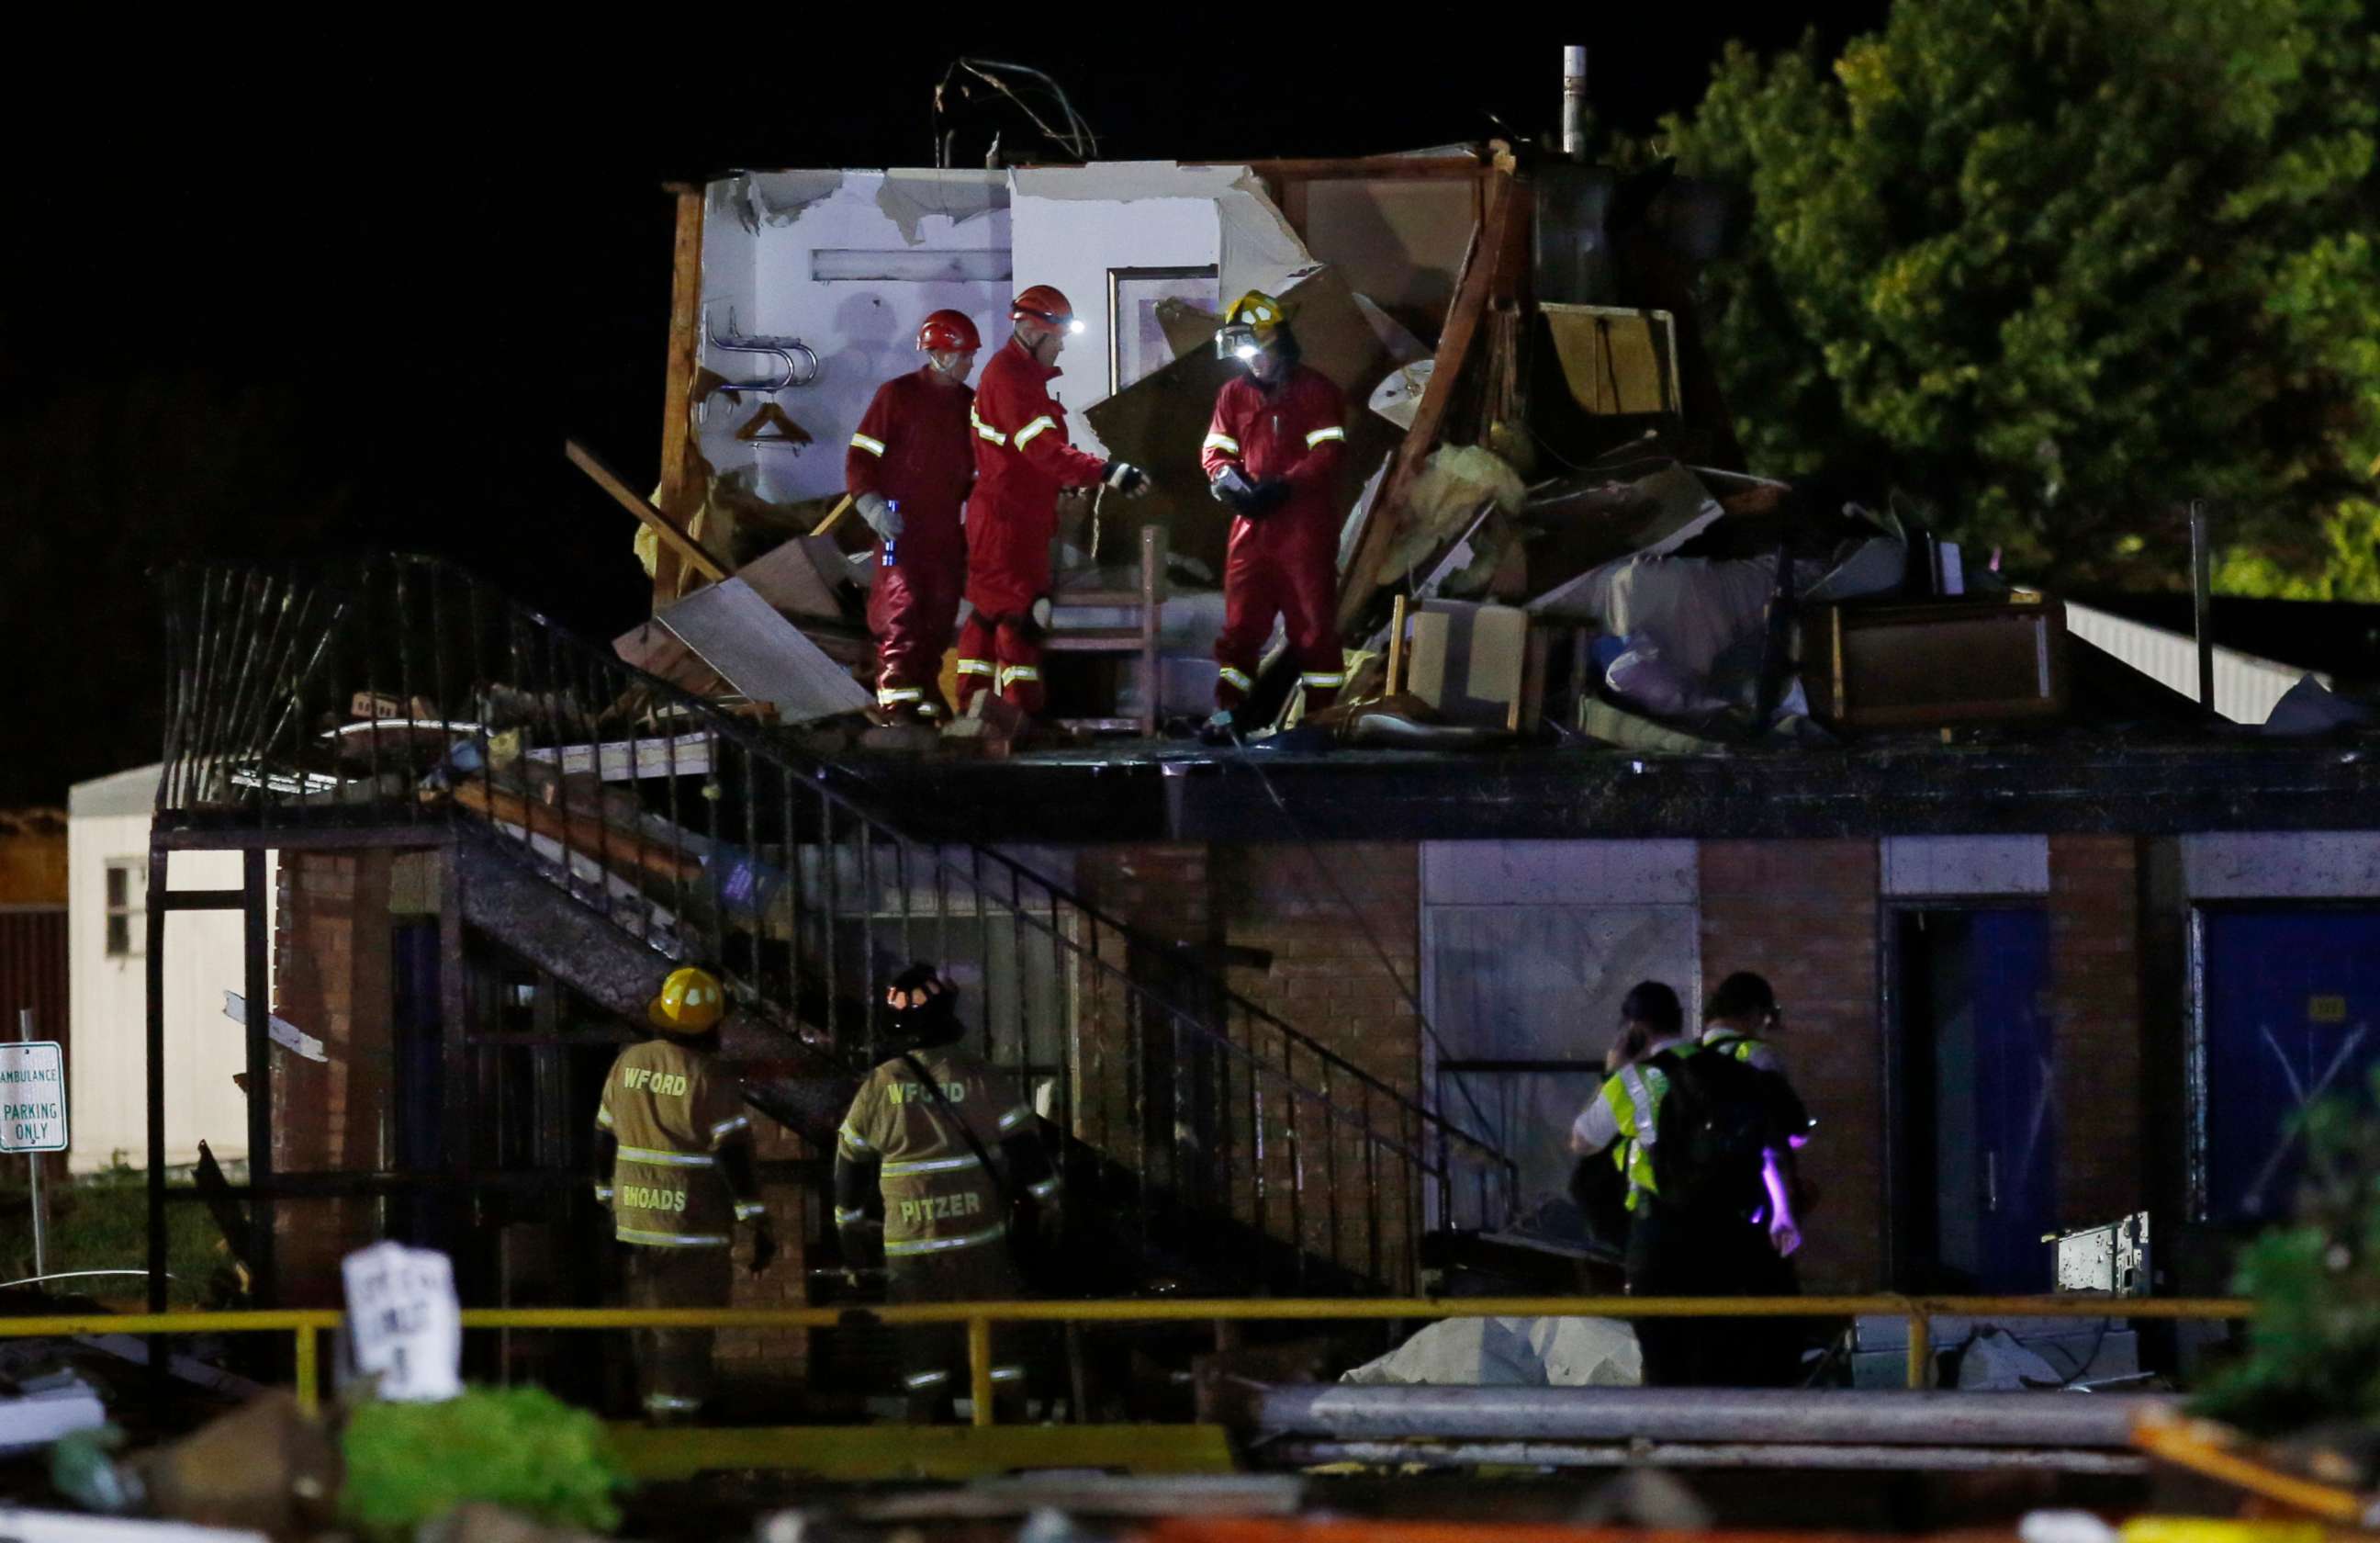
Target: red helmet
[
  {"x": 1043, "y": 303},
  {"x": 948, "y": 331}
]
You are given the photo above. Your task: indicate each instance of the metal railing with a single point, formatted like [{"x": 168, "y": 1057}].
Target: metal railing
[
  {"x": 398, "y": 689},
  {"x": 306, "y": 1325}
]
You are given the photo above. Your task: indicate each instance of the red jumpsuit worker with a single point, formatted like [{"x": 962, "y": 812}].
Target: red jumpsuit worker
[
  {"x": 908, "y": 470},
  {"x": 1022, "y": 459},
  {"x": 1272, "y": 454}
]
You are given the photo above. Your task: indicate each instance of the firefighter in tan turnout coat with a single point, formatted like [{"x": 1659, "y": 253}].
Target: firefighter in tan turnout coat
[
  {"x": 674, "y": 1163},
  {"x": 934, "y": 1155}
]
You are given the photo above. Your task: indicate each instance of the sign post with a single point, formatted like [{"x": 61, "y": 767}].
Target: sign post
[{"x": 33, "y": 1116}]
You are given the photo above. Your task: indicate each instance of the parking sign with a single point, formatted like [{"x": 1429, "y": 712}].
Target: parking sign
[{"x": 33, "y": 1095}]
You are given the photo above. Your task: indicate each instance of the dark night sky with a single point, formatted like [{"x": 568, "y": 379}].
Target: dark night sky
[{"x": 361, "y": 300}]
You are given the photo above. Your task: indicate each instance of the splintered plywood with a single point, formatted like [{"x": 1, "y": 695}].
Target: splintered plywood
[
  {"x": 1160, "y": 422},
  {"x": 737, "y": 633}
]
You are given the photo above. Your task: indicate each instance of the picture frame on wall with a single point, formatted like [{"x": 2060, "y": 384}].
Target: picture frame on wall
[{"x": 1136, "y": 344}]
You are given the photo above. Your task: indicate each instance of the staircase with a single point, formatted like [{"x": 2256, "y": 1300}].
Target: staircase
[{"x": 605, "y": 823}]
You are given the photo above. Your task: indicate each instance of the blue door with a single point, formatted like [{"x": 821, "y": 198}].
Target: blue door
[
  {"x": 1979, "y": 1140},
  {"x": 2290, "y": 1012},
  {"x": 2016, "y": 1125}
]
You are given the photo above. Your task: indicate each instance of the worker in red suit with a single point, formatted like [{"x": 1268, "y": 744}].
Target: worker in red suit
[
  {"x": 1272, "y": 456},
  {"x": 1022, "y": 459},
  {"x": 908, "y": 470}
]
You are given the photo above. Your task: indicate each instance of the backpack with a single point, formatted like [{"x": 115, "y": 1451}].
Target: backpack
[{"x": 1717, "y": 1117}]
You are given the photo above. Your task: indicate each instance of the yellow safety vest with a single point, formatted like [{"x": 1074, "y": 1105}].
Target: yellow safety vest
[{"x": 1633, "y": 1094}]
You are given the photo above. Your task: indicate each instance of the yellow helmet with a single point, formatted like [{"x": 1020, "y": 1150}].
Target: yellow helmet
[
  {"x": 691, "y": 1002},
  {"x": 1253, "y": 320}
]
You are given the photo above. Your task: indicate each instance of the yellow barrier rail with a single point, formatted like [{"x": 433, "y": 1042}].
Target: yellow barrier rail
[{"x": 306, "y": 1324}]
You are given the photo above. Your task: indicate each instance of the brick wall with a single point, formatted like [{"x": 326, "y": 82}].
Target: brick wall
[
  {"x": 1328, "y": 980},
  {"x": 771, "y": 1353},
  {"x": 2094, "y": 968},
  {"x": 1803, "y": 914},
  {"x": 331, "y": 978}
]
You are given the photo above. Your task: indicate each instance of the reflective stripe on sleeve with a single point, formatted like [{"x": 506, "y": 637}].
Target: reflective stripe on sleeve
[
  {"x": 847, "y": 1216},
  {"x": 666, "y": 1159},
  {"x": 974, "y": 667},
  {"x": 603, "y": 1117},
  {"x": 893, "y": 695},
  {"x": 876, "y": 446},
  {"x": 670, "y": 1239},
  {"x": 1015, "y": 1118},
  {"x": 1008, "y": 1374},
  {"x": 1236, "y": 677},
  {"x": 1225, "y": 442},
  {"x": 670, "y": 1404},
  {"x": 904, "y": 1247},
  {"x": 746, "y": 1211},
  {"x": 1046, "y": 1189},
  {"x": 603, "y": 1193},
  {"x": 727, "y": 1128},
  {"x": 852, "y": 1139},
  {"x": 1024, "y": 436},
  {"x": 986, "y": 430},
  {"x": 919, "y": 1379},
  {"x": 932, "y": 1165},
  {"x": 1320, "y": 678},
  {"x": 1011, "y": 673},
  {"x": 1334, "y": 432}
]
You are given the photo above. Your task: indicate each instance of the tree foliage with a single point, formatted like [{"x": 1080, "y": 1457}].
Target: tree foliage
[
  {"x": 2056, "y": 267},
  {"x": 2314, "y": 1350}
]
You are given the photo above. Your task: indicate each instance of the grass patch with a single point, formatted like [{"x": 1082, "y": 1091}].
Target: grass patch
[{"x": 100, "y": 1222}]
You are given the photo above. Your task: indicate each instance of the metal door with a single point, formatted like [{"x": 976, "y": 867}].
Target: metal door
[
  {"x": 2289, "y": 1010},
  {"x": 2015, "y": 1106},
  {"x": 1525, "y": 999}
]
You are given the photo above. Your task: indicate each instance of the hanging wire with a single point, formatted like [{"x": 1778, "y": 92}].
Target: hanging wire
[{"x": 1075, "y": 139}]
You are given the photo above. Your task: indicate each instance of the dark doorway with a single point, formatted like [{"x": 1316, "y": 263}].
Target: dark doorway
[{"x": 1977, "y": 1144}]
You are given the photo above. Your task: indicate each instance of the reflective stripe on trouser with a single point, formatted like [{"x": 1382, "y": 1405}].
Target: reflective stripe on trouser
[
  {"x": 1013, "y": 648},
  {"x": 933, "y": 1355},
  {"x": 913, "y": 609},
  {"x": 674, "y": 1364},
  {"x": 1295, "y": 581}
]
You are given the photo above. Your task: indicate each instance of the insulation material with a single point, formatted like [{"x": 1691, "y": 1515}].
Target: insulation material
[
  {"x": 1444, "y": 500},
  {"x": 1512, "y": 1352},
  {"x": 1691, "y": 609},
  {"x": 1597, "y": 520}
]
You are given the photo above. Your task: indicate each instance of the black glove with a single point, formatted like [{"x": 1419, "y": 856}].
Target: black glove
[
  {"x": 1123, "y": 477},
  {"x": 1269, "y": 495},
  {"x": 764, "y": 1250}
]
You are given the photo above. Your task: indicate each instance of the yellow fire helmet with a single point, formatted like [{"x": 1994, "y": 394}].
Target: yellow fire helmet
[
  {"x": 691, "y": 1002},
  {"x": 1253, "y": 321}
]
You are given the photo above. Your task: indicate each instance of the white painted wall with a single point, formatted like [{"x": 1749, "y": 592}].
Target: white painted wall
[
  {"x": 760, "y": 231},
  {"x": 108, "y": 1087},
  {"x": 2277, "y": 864},
  {"x": 1066, "y": 227}
]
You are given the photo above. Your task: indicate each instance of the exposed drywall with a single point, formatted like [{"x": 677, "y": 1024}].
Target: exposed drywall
[{"x": 759, "y": 237}]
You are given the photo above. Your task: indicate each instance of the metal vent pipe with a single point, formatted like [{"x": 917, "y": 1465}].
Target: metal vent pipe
[{"x": 1573, "y": 108}]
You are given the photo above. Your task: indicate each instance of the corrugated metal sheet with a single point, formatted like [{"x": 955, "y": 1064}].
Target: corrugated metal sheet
[
  {"x": 2245, "y": 686},
  {"x": 34, "y": 969}
]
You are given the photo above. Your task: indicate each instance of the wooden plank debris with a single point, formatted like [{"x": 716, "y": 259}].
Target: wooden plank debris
[
  {"x": 673, "y": 538},
  {"x": 620, "y": 761}
]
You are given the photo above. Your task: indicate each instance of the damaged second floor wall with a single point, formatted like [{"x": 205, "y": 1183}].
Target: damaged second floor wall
[{"x": 850, "y": 262}]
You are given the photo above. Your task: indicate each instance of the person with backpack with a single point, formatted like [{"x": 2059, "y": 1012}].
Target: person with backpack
[
  {"x": 930, "y": 1167},
  {"x": 1697, "y": 1137}
]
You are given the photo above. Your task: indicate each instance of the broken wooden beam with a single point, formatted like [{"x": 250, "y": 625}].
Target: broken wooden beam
[{"x": 673, "y": 539}]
